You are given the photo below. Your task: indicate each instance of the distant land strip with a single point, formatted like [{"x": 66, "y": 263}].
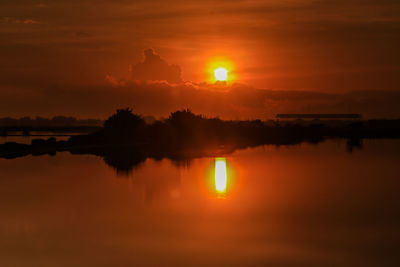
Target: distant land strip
[{"x": 318, "y": 116}]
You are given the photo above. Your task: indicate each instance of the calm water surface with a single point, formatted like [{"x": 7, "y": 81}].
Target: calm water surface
[
  {"x": 18, "y": 138},
  {"x": 305, "y": 205}
]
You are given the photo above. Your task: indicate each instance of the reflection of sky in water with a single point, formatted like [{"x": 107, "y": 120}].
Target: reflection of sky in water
[
  {"x": 299, "y": 206},
  {"x": 34, "y": 135}
]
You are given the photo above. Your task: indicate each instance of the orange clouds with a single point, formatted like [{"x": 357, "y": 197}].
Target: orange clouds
[
  {"x": 164, "y": 92},
  {"x": 288, "y": 45},
  {"x": 154, "y": 68},
  {"x": 65, "y": 49}
]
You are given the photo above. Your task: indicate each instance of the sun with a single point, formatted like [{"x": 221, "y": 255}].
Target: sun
[
  {"x": 221, "y": 70},
  {"x": 221, "y": 74}
]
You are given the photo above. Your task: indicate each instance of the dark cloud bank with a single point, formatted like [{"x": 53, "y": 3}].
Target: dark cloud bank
[
  {"x": 156, "y": 88},
  {"x": 232, "y": 102}
]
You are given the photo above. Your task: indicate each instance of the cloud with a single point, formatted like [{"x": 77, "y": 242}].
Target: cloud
[
  {"x": 42, "y": 5},
  {"x": 154, "y": 68},
  {"x": 236, "y": 101},
  {"x": 297, "y": 44},
  {"x": 160, "y": 96},
  {"x": 18, "y": 21},
  {"x": 83, "y": 34}
]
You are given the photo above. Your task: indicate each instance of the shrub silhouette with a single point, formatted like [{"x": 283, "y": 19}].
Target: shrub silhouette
[
  {"x": 183, "y": 118},
  {"x": 122, "y": 125},
  {"x": 186, "y": 127}
]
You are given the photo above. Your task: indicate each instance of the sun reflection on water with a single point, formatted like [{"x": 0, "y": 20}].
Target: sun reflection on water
[{"x": 220, "y": 175}]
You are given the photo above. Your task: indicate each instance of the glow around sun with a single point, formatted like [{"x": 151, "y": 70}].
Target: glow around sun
[
  {"x": 221, "y": 74},
  {"x": 220, "y": 70}
]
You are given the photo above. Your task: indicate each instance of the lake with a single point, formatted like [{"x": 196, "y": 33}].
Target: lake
[
  {"x": 18, "y": 137},
  {"x": 303, "y": 205}
]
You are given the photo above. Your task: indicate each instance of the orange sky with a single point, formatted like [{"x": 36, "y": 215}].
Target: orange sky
[{"x": 330, "y": 47}]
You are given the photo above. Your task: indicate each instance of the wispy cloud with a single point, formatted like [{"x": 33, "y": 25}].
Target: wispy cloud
[{"x": 18, "y": 21}]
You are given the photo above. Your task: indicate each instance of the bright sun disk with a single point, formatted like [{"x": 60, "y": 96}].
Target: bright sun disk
[{"x": 221, "y": 74}]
